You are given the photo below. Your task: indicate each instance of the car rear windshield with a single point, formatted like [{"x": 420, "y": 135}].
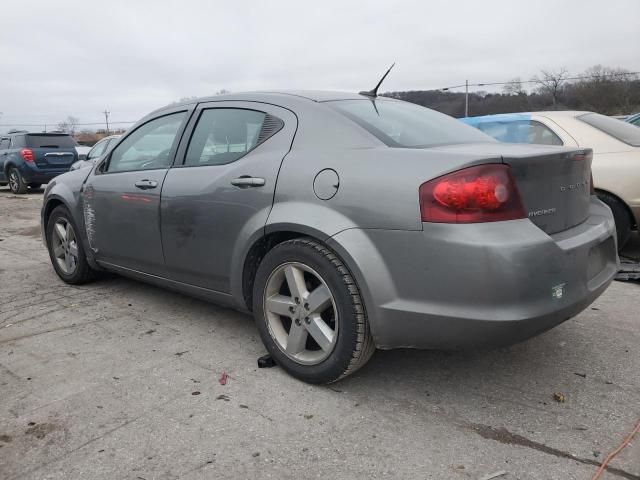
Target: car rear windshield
[
  {"x": 50, "y": 141},
  {"x": 625, "y": 132},
  {"x": 406, "y": 125}
]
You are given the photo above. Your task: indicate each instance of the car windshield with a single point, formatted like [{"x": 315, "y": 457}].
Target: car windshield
[
  {"x": 49, "y": 141},
  {"x": 625, "y": 132},
  {"x": 401, "y": 124}
]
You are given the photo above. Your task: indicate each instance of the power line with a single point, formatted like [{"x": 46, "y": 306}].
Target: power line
[
  {"x": 54, "y": 123},
  {"x": 582, "y": 77}
]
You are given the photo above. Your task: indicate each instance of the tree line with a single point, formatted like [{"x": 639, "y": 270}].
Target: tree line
[{"x": 610, "y": 91}]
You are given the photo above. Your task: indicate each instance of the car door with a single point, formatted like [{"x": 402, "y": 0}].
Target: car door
[
  {"x": 221, "y": 189},
  {"x": 121, "y": 197}
]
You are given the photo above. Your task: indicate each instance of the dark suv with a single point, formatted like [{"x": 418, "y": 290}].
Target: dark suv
[{"x": 31, "y": 159}]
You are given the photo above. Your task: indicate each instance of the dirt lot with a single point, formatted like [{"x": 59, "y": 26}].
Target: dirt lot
[{"x": 118, "y": 379}]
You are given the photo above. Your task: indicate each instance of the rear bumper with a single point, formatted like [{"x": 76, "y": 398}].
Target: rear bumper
[
  {"x": 33, "y": 174},
  {"x": 478, "y": 285}
]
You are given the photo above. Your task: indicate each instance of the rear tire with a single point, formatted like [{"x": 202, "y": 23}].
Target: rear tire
[
  {"x": 61, "y": 227},
  {"x": 16, "y": 183},
  {"x": 339, "y": 322},
  {"x": 620, "y": 216}
]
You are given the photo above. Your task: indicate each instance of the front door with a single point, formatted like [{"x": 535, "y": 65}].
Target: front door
[
  {"x": 121, "y": 198},
  {"x": 221, "y": 189}
]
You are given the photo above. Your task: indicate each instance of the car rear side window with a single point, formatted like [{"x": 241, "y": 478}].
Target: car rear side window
[
  {"x": 520, "y": 131},
  {"x": 18, "y": 142},
  {"x": 148, "y": 147},
  {"x": 98, "y": 149},
  {"x": 4, "y": 143},
  {"x": 49, "y": 141},
  {"x": 401, "y": 124},
  {"x": 223, "y": 135},
  {"x": 625, "y": 132}
]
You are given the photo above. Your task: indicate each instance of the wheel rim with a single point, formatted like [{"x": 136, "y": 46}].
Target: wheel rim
[
  {"x": 301, "y": 313},
  {"x": 14, "y": 181},
  {"x": 65, "y": 246}
]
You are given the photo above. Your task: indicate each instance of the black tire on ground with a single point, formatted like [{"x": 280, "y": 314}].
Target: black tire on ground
[
  {"x": 35, "y": 185},
  {"x": 16, "y": 182},
  {"x": 621, "y": 217},
  {"x": 83, "y": 272},
  {"x": 354, "y": 345}
]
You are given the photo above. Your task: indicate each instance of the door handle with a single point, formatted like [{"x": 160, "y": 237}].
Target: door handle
[
  {"x": 146, "y": 184},
  {"x": 246, "y": 181}
]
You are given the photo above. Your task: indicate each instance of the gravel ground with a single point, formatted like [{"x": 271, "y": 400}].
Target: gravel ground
[{"x": 118, "y": 379}]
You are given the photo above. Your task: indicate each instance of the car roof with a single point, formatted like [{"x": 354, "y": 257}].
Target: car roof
[{"x": 278, "y": 97}]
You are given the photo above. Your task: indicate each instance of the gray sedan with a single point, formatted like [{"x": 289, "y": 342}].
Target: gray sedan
[{"x": 344, "y": 222}]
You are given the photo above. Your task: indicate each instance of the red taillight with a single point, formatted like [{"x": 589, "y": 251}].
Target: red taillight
[
  {"x": 484, "y": 193},
  {"x": 27, "y": 154}
]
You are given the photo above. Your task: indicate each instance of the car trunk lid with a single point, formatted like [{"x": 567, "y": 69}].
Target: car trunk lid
[
  {"x": 554, "y": 187},
  {"x": 553, "y": 182}
]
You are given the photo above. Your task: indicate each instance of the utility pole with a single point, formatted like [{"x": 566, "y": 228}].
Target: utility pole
[
  {"x": 466, "y": 98},
  {"x": 106, "y": 119}
]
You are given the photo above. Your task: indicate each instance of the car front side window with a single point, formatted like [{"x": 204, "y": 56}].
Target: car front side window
[{"x": 148, "y": 147}]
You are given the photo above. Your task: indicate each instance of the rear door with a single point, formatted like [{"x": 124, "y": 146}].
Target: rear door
[
  {"x": 221, "y": 190},
  {"x": 121, "y": 197},
  {"x": 52, "y": 151}
]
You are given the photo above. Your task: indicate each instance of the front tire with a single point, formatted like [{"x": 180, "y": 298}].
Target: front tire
[
  {"x": 620, "y": 216},
  {"x": 310, "y": 313},
  {"x": 66, "y": 250},
  {"x": 17, "y": 185}
]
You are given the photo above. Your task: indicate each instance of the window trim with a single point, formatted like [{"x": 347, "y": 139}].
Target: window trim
[
  {"x": 100, "y": 169},
  {"x": 180, "y": 162}
]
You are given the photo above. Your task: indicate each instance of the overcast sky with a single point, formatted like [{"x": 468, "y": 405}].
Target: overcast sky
[{"x": 77, "y": 58}]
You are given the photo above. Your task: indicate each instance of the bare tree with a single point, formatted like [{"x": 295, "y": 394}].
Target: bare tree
[
  {"x": 222, "y": 92},
  {"x": 551, "y": 83},
  {"x": 514, "y": 87},
  {"x": 606, "y": 90},
  {"x": 68, "y": 125}
]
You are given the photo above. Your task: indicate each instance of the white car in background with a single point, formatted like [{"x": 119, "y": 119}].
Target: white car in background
[
  {"x": 616, "y": 152},
  {"x": 100, "y": 148}
]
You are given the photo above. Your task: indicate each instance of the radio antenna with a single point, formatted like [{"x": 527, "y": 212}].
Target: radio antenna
[{"x": 374, "y": 93}]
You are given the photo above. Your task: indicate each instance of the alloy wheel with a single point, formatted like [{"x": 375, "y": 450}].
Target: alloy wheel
[
  {"x": 301, "y": 313},
  {"x": 65, "y": 246},
  {"x": 14, "y": 181}
]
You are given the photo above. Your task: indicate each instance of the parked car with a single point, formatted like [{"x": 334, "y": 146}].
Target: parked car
[
  {"x": 100, "y": 148},
  {"x": 343, "y": 222},
  {"x": 82, "y": 150},
  {"x": 27, "y": 160},
  {"x": 615, "y": 144},
  {"x": 633, "y": 119}
]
